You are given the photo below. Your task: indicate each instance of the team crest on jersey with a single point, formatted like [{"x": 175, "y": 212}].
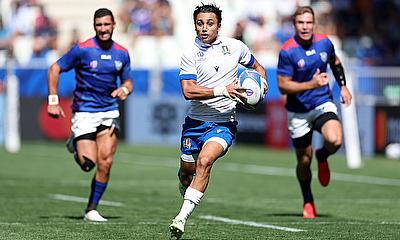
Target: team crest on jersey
[
  {"x": 118, "y": 65},
  {"x": 186, "y": 143},
  {"x": 200, "y": 56},
  {"x": 225, "y": 50},
  {"x": 324, "y": 56},
  {"x": 301, "y": 63},
  {"x": 93, "y": 64}
]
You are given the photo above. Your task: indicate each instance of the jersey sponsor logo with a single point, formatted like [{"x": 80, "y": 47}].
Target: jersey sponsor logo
[
  {"x": 118, "y": 65},
  {"x": 324, "y": 56},
  {"x": 216, "y": 68},
  {"x": 186, "y": 143},
  {"x": 310, "y": 52},
  {"x": 93, "y": 64},
  {"x": 105, "y": 57},
  {"x": 301, "y": 63},
  {"x": 219, "y": 130},
  {"x": 225, "y": 50}
]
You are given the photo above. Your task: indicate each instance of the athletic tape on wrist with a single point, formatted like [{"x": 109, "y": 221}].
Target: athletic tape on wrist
[
  {"x": 221, "y": 91},
  {"x": 126, "y": 90},
  {"x": 52, "y": 99}
]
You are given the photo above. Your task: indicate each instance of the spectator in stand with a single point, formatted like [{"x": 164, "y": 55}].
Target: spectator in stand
[
  {"x": 261, "y": 40},
  {"x": 44, "y": 38},
  {"x": 140, "y": 19},
  {"x": 162, "y": 19},
  {"x": 46, "y": 28},
  {"x": 285, "y": 31},
  {"x": 240, "y": 28},
  {"x": 7, "y": 36}
]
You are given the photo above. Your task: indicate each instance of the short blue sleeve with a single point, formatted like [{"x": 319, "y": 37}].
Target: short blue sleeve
[
  {"x": 126, "y": 70},
  {"x": 285, "y": 67},
  {"x": 70, "y": 59}
]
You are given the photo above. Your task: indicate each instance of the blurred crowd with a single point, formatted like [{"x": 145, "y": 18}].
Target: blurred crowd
[
  {"x": 366, "y": 29},
  {"x": 25, "y": 26},
  {"x": 147, "y": 17}
]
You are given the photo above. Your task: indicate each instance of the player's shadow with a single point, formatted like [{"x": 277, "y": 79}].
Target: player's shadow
[
  {"x": 80, "y": 217},
  {"x": 295, "y": 215}
]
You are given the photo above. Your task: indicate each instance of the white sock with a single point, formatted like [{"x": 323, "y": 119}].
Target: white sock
[{"x": 191, "y": 200}]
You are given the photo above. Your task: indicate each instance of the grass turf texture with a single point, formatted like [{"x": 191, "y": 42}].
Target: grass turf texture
[{"x": 249, "y": 184}]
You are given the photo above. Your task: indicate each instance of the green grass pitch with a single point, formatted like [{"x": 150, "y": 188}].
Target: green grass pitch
[{"x": 253, "y": 194}]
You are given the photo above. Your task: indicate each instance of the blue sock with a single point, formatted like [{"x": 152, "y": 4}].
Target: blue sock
[
  {"x": 306, "y": 191},
  {"x": 97, "y": 190}
]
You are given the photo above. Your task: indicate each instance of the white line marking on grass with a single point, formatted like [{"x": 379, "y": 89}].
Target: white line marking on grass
[
  {"x": 161, "y": 161},
  {"x": 249, "y": 223},
  {"x": 69, "y": 198}
]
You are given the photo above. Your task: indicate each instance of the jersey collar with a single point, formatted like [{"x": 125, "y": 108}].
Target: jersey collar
[{"x": 205, "y": 46}]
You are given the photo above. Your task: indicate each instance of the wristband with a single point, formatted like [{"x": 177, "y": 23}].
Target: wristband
[
  {"x": 52, "y": 99},
  {"x": 126, "y": 90},
  {"x": 221, "y": 91}
]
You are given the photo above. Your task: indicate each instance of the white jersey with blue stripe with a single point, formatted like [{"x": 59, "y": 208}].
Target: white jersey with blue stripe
[{"x": 214, "y": 65}]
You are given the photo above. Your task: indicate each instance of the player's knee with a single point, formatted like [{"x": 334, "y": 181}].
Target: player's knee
[
  {"x": 304, "y": 161},
  {"x": 335, "y": 141},
  {"x": 87, "y": 164},
  {"x": 204, "y": 163}
]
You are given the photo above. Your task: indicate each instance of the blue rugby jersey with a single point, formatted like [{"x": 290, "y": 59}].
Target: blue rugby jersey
[
  {"x": 96, "y": 73},
  {"x": 301, "y": 64}
]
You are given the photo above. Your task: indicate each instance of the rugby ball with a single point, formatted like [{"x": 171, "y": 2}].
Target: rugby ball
[{"x": 253, "y": 82}]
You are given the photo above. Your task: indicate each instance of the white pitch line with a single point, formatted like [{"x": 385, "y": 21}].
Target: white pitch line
[
  {"x": 69, "y": 198},
  {"x": 250, "y": 223},
  {"x": 258, "y": 169}
]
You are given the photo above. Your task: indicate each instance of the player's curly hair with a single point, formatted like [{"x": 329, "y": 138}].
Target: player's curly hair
[
  {"x": 102, "y": 12},
  {"x": 205, "y": 8},
  {"x": 301, "y": 11}
]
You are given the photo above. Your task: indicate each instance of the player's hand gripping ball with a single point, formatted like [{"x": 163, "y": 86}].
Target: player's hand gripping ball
[{"x": 253, "y": 82}]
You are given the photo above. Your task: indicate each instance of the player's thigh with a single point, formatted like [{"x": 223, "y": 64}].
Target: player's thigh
[
  {"x": 332, "y": 131},
  {"x": 87, "y": 148},
  {"x": 210, "y": 152},
  {"x": 106, "y": 143}
]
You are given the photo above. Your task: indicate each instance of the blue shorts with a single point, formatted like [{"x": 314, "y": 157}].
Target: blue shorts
[{"x": 196, "y": 133}]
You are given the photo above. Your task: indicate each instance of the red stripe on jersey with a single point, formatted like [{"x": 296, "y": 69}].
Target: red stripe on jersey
[
  {"x": 290, "y": 43},
  {"x": 119, "y": 47},
  {"x": 87, "y": 44},
  {"x": 319, "y": 37}
]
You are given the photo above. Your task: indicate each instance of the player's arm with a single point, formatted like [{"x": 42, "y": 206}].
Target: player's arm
[
  {"x": 126, "y": 87},
  {"x": 260, "y": 69},
  {"x": 53, "y": 108},
  {"x": 192, "y": 91},
  {"x": 338, "y": 72},
  {"x": 288, "y": 86}
]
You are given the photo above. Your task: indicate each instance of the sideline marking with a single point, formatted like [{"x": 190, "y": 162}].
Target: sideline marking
[
  {"x": 250, "y": 223},
  {"x": 152, "y": 160},
  {"x": 69, "y": 198}
]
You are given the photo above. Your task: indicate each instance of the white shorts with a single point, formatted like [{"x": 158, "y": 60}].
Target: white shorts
[
  {"x": 299, "y": 124},
  {"x": 87, "y": 122}
]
